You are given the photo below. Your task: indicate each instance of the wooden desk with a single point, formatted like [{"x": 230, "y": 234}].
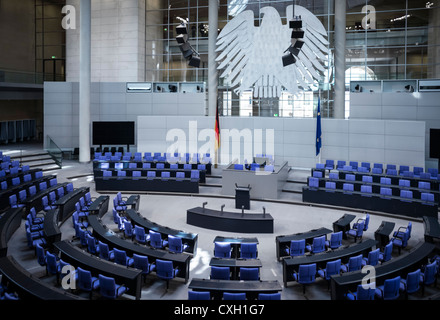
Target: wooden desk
[
  {"x": 130, "y": 277},
  {"x": 343, "y": 224},
  {"x": 283, "y": 241},
  {"x": 398, "y": 266},
  {"x": 10, "y": 221},
  {"x": 432, "y": 229},
  {"x": 190, "y": 239},
  {"x": 344, "y": 253},
  {"x": 27, "y": 285},
  {"x": 106, "y": 235},
  {"x": 251, "y": 288},
  {"x": 235, "y": 265},
  {"x": 235, "y": 243},
  {"x": 230, "y": 221},
  {"x": 99, "y": 207},
  {"x": 382, "y": 234}
]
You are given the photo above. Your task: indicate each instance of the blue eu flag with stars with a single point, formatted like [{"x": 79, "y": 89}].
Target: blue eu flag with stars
[{"x": 318, "y": 129}]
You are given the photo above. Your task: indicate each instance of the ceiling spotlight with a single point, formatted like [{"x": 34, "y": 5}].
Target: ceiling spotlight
[
  {"x": 288, "y": 59},
  {"x": 194, "y": 61},
  {"x": 291, "y": 54},
  {"x": 185, "y": 47},
  {"x": 182, "y": 28}
]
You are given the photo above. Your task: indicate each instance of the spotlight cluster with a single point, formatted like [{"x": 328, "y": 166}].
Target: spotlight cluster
[
  {"x": 291, "y": 54},
  {"x": 188, "y": 51}
]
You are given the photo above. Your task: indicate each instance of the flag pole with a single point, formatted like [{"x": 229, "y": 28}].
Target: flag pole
[{"x": 319, "y": 97}]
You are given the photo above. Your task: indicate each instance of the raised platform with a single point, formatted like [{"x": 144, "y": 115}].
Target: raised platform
[
  {"x": 230, "y": 221},
  {"x": 264, "y": 185}
]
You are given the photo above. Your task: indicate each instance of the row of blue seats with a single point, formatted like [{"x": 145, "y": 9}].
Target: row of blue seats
[
  {"x": 34, "y": 221},
  {"x": 403, "y": 183},
  {"x": 157, "y": 156},
  {"x": 391, "y": 289},
  {"x": 7, "y": 294},
  {"x": 17, "y": 200},
  {"x": 107, "y": 286},
  {"x": 306, "y": 274},
  {"x": 164, "y": 176},
  {"x": 366, "y": 190},
  {"x": 164, "y": 269},
  {"x": 147, "y": 165},
  {"x": 247, "y": 250},
  {"x": 17, "y": 180},
  {"x": 377, "y": 168}
]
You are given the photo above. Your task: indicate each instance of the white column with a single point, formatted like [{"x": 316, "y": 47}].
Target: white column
[
  {"x": 84, "y": 80},
  {"x": 340, "y": 40},
  {"x": 212, "y": 64}
]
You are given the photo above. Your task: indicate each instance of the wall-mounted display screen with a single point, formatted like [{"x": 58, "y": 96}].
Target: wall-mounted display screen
[{"x": 113, "y": 133}]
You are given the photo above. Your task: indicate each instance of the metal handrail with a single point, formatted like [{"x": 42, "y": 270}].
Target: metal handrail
[{"x": 54, "y": 151}]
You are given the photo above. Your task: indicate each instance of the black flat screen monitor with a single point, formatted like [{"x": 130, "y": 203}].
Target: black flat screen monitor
[
  {"x": 113, "y": 133},
  {"x": 434, "y": 144}
]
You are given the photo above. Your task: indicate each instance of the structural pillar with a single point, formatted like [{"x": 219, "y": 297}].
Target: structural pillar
[
  {"x": 85, "y": 80},
  {"x": 340, "y": 44},
  {"x": 212, "y": 64}
]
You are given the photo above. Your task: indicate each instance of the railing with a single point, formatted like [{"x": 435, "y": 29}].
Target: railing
[
  {"x": 13, "y": 76},
  {"x": 54, "y": 151}
]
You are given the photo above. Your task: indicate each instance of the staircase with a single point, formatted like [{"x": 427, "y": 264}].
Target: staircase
[{"x": 37, "y": 159}]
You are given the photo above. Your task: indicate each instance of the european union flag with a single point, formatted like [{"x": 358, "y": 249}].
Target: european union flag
[{"x": 318, "y": 129}]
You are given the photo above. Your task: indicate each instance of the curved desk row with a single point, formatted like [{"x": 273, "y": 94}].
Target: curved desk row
[
  {"x": 399, "y": 266},
  {"x": 100, "y": 164},
  {"x": 414, "y": 181},
  {"x": 129, "y": 173},
  {"x": 10, "y": 221},
  {"x": 432, "y": 229},
  {"x": 375, "y": 187},
  {"x": 321, "y": 259},
  {"x": 129, "y": 277},
  {"x": 27, "y": 285},
  {"x": 190, "y": 239},
  {"x": 283, "y": 241},
  {"x": 374, "y": 202},
  {"x": 106, "y": 235},
  {"x": 66, "y": 204},
  {"x": 144, "y": 184},
  {"x": 4, "y": 194},
  {"x": 251, "y": 288},
  {"x": 35, "y": 201},
  {"x": 230, "y": 221}
]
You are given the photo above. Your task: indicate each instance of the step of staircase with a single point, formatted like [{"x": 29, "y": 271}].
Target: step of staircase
[{"x": 38, "y": 159}]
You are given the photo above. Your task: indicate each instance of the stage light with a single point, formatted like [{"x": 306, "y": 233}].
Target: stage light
[
  {"x": 295, "y": 24},
  {"x": 185, "y": 47},
  {"x": 291, "y": 54},
  {"x": 194, "y": 61},
  {"x": 182, "y": 28},
  {"x": 288, "y": 59},
  {"x": 182, "y": 38}
]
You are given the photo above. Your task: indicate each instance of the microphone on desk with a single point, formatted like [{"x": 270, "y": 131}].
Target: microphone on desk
[
  {"x": 204, "y": 204},
  {"x": 222, "y": 208},
  {"x": 264, "y": 212}
]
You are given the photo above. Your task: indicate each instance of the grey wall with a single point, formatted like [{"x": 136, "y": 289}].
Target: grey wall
[
  {"x": 384, "y": 141},
  {"x": 109, "y": 102},
  {"x": 417, "y": 106}
]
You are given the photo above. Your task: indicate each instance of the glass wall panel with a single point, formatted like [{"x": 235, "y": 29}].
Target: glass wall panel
[{"x": 393, "y": 39}]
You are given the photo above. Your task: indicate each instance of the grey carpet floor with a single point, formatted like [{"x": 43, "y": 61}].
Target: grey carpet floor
[{"x": 289, "y": 213}]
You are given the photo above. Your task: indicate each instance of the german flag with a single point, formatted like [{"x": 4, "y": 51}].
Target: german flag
[{"x": 217, "y": 130}]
